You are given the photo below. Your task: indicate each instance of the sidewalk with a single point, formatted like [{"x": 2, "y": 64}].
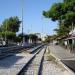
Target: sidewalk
[{"x": 63, "y": 55}]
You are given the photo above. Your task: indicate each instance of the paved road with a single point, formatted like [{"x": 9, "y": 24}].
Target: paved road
[
  {"x": 61, "y": 53},
  {"x": 64, "y": 55}
]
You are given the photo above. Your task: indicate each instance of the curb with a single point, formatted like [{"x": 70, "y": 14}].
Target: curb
[{"x": 60, "y": 62}]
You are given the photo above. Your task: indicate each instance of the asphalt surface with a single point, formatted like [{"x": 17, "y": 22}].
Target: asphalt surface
[{"x": 64, "y": 56}]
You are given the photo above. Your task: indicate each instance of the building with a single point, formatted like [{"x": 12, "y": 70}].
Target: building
[{"x": 71, "y": 41}]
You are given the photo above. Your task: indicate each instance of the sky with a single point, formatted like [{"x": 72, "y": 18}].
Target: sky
[{"x": 33, "y": 20}]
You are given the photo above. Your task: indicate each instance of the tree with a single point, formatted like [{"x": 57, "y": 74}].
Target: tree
[
  {"x": 33, "y": 37},
  {"x": 26, "y": 38},
  {"x": 9, "y": 27},
  {"x": 0, "y": 29},
  {"x": 62, "y": 31},
  {"x": 55, "y": 12},
  {"x": 48, "y": 39},
  {"x": 21, "y": 36},
  {"x": 10, "y": 35},
  {"x": 64, "y": 13},
  {"x": 12, "y": 24}
]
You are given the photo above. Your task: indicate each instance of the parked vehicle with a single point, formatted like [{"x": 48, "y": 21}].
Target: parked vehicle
[{"x": 2, "y": 42}]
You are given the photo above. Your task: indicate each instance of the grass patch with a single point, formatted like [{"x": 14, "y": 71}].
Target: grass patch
[
  {"x": 53, "y": 59},
  {"x": 60, "y": 65},
  {"x": 50, "y": 58}
]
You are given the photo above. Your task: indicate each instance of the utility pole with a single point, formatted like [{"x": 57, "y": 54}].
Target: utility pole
[
  {"x": 6, "y": 34},
  {"x": 42, "y": 29},
  {"x": 22, "y": 20}
]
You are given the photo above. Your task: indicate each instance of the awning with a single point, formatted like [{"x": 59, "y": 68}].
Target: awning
[{"x": 71, "y": 37}]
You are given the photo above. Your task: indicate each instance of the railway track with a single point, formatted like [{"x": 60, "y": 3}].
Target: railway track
[
  {"x": 5, "y": 52},
  {"x": 8, "y": 51},
  {"x": 34, "y": 65}
]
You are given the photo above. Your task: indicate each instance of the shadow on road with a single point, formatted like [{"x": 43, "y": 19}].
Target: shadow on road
[{"x": 9, "y": 61}]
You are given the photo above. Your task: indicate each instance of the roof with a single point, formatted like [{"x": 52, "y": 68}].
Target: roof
[{"x": 71, "y": 37}]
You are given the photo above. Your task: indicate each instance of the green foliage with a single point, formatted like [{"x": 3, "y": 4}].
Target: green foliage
[
  {"x": 33, "y": 37},
  {"x": 21, "y": 36},
  {"x": 67, "y": 1},
  {"x": 64, "y": 13},
  {"x": 0, "y": 29},
  {"x": 46, "y": 14},
  {"x": 9, "y": 27},
  {"x": 48, "y": 39},
  {"x": 70, "y": 16},
  {"x": 62, "y": 31},
  {"x": 9, "y": 35},
  {"x": 55, "y": 12},
  {"x": 12, "y": 24}
]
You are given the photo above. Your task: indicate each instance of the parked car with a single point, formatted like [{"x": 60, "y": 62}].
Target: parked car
[{"x": 2, "y": 42}]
